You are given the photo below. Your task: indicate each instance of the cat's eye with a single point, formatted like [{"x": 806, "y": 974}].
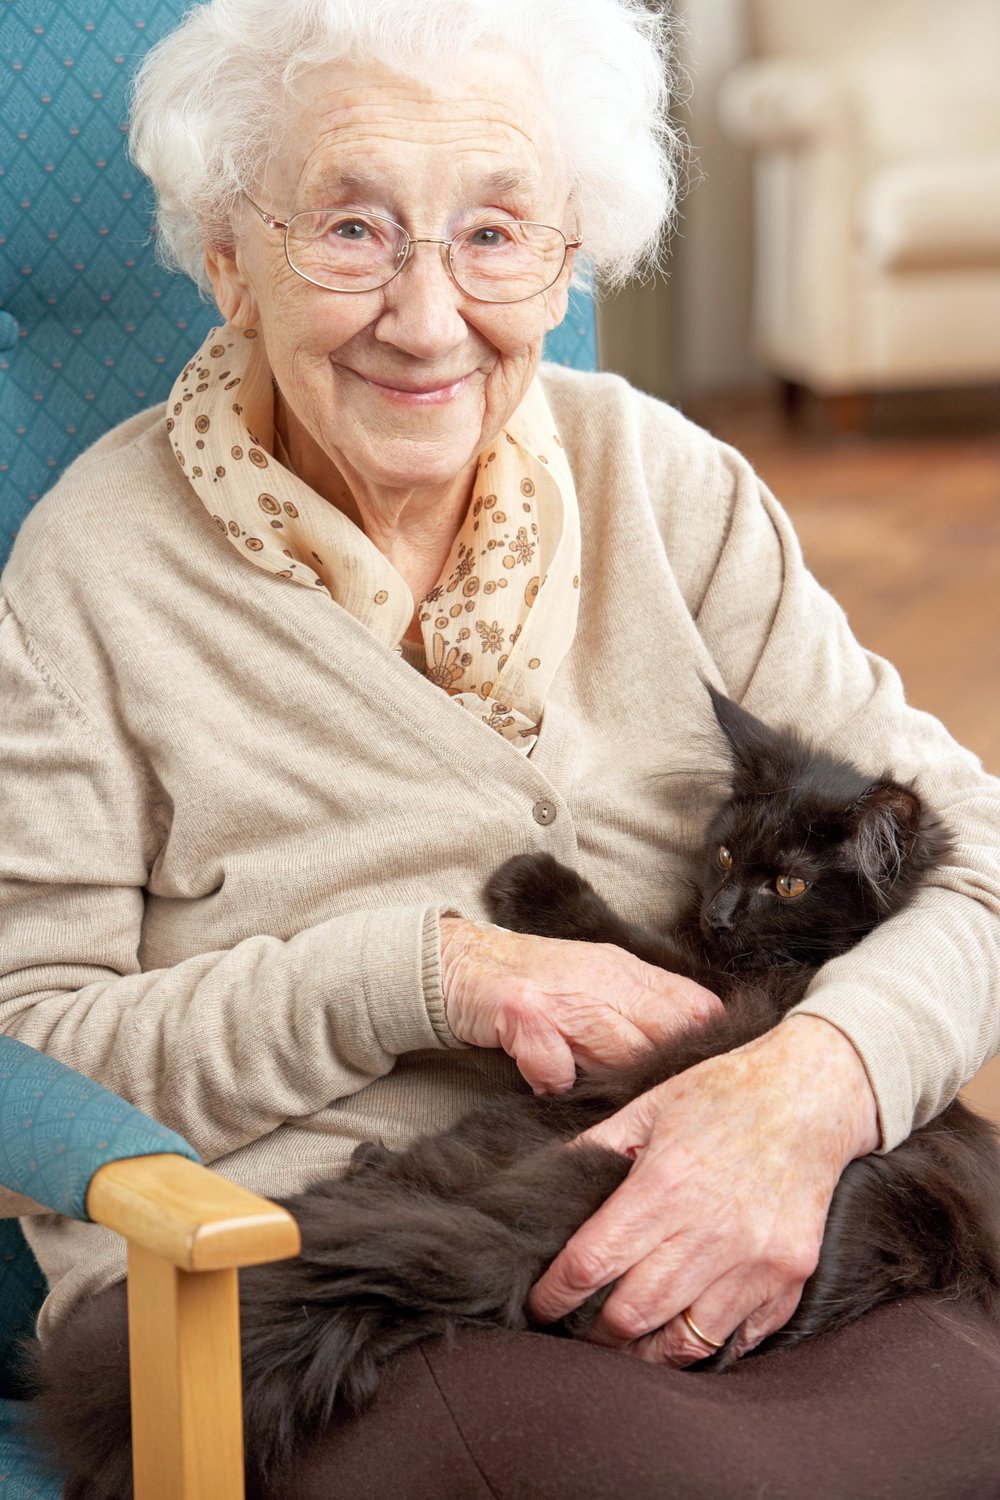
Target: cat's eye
[
  {"x": 790, "y": 886},
  {"x": 725, "y": 858}
]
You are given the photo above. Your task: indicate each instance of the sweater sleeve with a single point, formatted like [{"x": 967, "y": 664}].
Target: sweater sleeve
[
  {"x": 918, "y": 997},
  {"x": 269, "y": 1030}
]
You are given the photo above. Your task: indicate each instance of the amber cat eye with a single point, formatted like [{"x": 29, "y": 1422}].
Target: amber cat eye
[
  {"x": 790, "y": 886},
  {"x": 725, "y": 858}
]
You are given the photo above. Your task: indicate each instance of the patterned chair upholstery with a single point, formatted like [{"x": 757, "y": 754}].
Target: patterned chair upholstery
[
  {"x": 91, "y": 331},
  {"x": 91, "y": 328}
]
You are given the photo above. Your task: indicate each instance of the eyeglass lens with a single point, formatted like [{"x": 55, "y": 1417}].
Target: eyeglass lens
[{"x": 502, "y": 262}]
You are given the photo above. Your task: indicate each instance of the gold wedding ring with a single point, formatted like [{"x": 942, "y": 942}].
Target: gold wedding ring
[{"x": 698, "y": 1333}]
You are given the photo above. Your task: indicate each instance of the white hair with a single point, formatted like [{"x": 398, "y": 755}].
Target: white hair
[{"x": 208, "y": 105}]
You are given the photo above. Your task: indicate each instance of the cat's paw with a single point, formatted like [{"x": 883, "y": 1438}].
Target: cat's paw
[
  {"x": 369, "y": 1157},
  {"x": 531, "y": 892}
]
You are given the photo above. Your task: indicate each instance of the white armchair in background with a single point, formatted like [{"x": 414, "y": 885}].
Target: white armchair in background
[{"x": 875, "y": 127}]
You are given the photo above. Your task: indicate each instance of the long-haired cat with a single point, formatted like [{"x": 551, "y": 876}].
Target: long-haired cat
[{"x": 806, "y": 856}]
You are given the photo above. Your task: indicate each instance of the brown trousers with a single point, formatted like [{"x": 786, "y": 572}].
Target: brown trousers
[{"x": 902, "y": 1405}]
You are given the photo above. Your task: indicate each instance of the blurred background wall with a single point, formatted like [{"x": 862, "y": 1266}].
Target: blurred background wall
[
  {"x": 853, "y": 150},
  {"x": 690, "y": 332}
]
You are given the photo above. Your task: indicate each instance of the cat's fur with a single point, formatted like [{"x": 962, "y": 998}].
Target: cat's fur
[{"x": 453, "y": 1232}]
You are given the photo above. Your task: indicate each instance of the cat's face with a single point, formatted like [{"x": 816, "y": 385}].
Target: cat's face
[
  {"x": 779, "y": 885},
  {"x": 808, "y": 855}
]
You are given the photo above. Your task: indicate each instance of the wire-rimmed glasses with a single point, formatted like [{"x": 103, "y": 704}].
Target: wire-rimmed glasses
[{"x": 341, "y": 250}]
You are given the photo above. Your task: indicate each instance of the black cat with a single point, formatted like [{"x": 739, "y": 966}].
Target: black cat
[{"x": 806, "y": 857}]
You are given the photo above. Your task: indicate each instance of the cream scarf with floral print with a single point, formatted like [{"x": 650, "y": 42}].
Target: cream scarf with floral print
[{"x": 503, "y": 613}]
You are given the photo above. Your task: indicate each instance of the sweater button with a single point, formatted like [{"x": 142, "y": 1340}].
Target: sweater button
[{"x": 544, "y": 812}]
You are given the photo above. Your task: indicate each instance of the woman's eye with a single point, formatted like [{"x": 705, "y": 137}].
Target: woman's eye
[
  {"x": 350, "y": 229},
  {"x": 725, "y": 858},
  {"x": 790, "y": 886},
  {"x": 487, "y": 237}
]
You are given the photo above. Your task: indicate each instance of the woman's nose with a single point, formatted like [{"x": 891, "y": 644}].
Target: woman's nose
[{"x": 421, "y": 310}]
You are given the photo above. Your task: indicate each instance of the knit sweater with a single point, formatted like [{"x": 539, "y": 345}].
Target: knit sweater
[{"x": 232, "y": 817}]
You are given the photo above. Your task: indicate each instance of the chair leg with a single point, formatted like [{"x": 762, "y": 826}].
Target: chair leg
[
  {"x": 184, "y": 1338},
  {"x": 847, "y": 413},
  {"x": 791, "y": 396}
]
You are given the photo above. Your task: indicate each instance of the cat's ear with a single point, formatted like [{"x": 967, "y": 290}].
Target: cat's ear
[
  {"x": 884, "y": 823},
  {"x": 756, "y": 749}
]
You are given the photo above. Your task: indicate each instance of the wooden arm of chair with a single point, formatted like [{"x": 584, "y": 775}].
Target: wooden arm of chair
[{"x": 188, "y": 1232}]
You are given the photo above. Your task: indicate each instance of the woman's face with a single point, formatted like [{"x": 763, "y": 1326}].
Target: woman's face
[{"x": 351, "y": 367}]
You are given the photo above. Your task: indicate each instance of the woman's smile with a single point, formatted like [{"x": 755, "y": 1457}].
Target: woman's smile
[{"x": 417, "y": 395}]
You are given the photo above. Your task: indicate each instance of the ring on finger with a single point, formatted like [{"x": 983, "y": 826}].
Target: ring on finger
[{"x": 712, "y": 1343}]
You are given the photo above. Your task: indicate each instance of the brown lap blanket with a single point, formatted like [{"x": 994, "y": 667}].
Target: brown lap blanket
[{"x": 902, "y": 1405}]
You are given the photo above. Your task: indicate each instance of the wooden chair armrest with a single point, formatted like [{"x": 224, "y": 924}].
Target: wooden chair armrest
[
  {"x": 188, "y": 1215},
  {"x": 188, "y": 1232}
]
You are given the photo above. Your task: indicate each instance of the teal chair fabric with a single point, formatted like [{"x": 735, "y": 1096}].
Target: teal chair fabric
[
  {"x": 22, "y": 1291},
  {"x": 21, "y": 1472},
  {"x": 56, "y": 1129},
  {"x": 22, "y": 1476},
  {"x": 91, "y": 328}
]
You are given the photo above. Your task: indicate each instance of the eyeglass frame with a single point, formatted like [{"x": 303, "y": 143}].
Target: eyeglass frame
[{"x": 404, "y": 255}]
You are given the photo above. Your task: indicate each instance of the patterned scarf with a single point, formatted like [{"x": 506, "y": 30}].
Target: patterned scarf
[{"x": 502, "y": 615}]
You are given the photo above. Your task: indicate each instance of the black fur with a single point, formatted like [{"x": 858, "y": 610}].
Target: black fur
[{"x": 452, "y": 1232}]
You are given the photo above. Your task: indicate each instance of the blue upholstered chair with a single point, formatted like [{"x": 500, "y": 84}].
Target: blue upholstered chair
[{"x": 91, "y": 331}]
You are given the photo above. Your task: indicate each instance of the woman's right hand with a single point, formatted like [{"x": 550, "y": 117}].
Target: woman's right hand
[{"x": 555, "y": 1006}]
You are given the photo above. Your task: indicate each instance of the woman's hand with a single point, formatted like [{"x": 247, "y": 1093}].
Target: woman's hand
[
  {"x": 554, "y": 1006},
  {"x": 724, "y": 1210}
]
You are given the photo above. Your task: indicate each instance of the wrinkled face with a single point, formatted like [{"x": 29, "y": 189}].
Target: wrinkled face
[{"x": 348, "y": 365}]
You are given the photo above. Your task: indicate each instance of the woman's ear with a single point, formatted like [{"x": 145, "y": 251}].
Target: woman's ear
[{"x": 233, "y": 292}]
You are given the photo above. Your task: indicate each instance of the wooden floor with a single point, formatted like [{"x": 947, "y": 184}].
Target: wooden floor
[{"x": 903, "y": 526}]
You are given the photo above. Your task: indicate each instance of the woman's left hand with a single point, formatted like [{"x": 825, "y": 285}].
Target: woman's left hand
[{"x": 723, "y": 1213}]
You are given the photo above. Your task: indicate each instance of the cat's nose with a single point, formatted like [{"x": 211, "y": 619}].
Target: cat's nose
[{"x": 720, "y": 914}]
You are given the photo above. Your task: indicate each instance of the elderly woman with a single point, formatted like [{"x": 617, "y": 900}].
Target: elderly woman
[{"x": 377, "y": 600}]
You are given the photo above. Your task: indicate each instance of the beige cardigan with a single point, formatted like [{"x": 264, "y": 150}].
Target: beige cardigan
[{"x": 231, "y": 817}]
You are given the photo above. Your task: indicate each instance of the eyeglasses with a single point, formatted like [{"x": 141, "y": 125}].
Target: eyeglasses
[{"x": 506, "y": 261}]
